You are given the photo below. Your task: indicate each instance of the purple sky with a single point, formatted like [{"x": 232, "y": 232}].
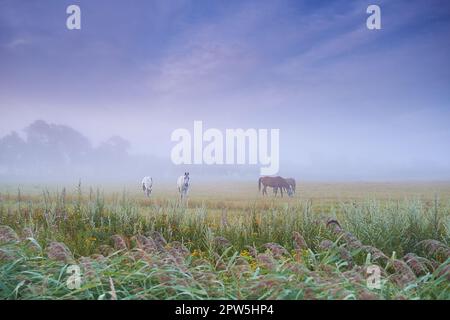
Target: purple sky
[{"x": 350, "y": 103}]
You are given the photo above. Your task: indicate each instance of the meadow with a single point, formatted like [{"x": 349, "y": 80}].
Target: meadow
[{"x": 226, "y": 242}]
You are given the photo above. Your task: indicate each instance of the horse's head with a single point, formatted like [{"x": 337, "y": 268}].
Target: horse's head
[
  {"x": 290, "y": 192},
  {"x": 186, "y": 179}
]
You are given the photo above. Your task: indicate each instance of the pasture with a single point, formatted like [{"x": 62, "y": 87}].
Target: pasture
[{"x": 225, "y": 242}]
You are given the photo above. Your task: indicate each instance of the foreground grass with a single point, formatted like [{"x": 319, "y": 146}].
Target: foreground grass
[{"x": 132, "y": 249}]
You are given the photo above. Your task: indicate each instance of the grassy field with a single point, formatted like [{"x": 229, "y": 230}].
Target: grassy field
[{"x": 226, "y": 242}]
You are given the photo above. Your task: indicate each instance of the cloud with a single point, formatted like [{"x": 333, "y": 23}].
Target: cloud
[
  {"x": 17, "y": 42},
  {"x": 199, "y": 67}
]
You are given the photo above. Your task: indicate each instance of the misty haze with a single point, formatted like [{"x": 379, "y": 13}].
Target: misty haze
[
  {"x": 47, "y": 152},
  {"x": 44, "y": 152},
  {"x": 213, "y": 150}
]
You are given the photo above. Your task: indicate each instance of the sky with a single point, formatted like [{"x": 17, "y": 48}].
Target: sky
[{"x": 350, "y": 103}]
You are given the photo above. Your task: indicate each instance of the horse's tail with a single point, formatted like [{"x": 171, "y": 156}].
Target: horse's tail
[{"x": 259, "y": 184}]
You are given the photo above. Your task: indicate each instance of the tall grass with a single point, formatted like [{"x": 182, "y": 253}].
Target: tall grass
[{"x": 243, "y": 252}]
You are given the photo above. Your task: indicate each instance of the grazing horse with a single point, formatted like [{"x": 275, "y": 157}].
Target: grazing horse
[
  {"x": 147, "y": 184},
  {"x": 275, "y": 183},
  {"x": 291, "y": 182},
  {"x": 289, "y": 190},
  {"x": 183, "y": 184}
]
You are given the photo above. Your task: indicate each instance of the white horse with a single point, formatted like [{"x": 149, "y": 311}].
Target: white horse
[
  {"x": 183, "y": 184},
  {"x": 147, "y": 184}
]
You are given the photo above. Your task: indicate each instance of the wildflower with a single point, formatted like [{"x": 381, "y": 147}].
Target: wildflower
[
  {"x": 197, "y": 253},
  {"x": 245, "y": 253}
]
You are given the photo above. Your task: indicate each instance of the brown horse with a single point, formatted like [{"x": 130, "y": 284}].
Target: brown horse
[{"x": 275, "y": 183}]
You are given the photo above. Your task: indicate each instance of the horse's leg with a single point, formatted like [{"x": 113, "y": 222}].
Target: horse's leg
[
  {"x": 281, "y": 189},
  {"x": 264, "y": 190}
]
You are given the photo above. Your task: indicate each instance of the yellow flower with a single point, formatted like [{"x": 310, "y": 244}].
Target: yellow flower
[
  {"x": 245, "y": 253},
  {"x": 196, "y": 253},
  {"x": 91, "y": 239}
]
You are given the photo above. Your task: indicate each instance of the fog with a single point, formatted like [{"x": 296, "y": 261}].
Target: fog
[
  {"x": 50, "y": 153},
  {"x": 100, "y": 103}
]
